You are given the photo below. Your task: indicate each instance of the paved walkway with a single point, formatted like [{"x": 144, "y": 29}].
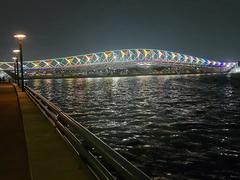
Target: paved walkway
[
  {"x": 13, "y": 151},
  {"x": 43, "y": 155}
]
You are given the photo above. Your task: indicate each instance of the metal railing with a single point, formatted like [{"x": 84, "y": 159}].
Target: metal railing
[{"x": 102, "y": 160}]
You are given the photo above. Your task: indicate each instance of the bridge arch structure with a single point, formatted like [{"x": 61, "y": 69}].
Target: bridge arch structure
[{"x": 121, "y": 56}]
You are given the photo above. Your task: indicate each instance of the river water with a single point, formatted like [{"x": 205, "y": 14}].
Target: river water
[{"x": 172, "y": 127}]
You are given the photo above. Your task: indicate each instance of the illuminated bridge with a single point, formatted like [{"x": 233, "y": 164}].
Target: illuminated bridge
[{"x": 120, "y": 62}]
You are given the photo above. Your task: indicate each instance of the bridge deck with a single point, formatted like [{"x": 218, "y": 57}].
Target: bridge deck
[{"x": 43, "y": 154}]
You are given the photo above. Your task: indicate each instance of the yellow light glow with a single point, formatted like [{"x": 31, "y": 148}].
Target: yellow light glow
[
  {"x": 69, "y": 60},
  {"x": 146, "y": 52},
  {"x": 108, "y": 54},
  {"x": 173, "y": 55},
  {"x": 20, "y": 37}
]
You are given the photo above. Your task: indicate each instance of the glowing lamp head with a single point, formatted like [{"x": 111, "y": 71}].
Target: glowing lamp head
[
  {"x": 14, "y": 58},
  {"x": 16, "y": 51},
  {"x": 20, "y": 37}
]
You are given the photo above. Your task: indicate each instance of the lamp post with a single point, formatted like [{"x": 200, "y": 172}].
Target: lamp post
[
  {"x": 14, "y": 65},
  {"x": 20, "y": 38},
  {"x": 16, "y": 52}
]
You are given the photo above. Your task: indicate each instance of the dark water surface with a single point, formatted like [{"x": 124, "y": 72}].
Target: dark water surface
[{"x": 169, "y": 126}]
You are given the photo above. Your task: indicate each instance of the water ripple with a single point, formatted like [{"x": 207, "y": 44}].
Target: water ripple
[{"x": 171, "y": 127}]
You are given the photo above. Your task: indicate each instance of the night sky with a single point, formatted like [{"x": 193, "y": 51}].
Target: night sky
[{"x": 203, "y": 28}]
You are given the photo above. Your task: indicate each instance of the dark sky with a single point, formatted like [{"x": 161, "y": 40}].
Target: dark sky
[{"x": 203, "y": 28}]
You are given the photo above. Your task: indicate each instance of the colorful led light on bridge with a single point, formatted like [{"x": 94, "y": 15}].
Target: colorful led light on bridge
[{"x": 125, "y": 55}]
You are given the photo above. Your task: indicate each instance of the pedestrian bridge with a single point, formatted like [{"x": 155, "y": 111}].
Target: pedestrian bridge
[{"x": 112, "y": 61}]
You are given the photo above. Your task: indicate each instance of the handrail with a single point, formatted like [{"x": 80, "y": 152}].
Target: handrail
[{"x": 105, "y": 162}]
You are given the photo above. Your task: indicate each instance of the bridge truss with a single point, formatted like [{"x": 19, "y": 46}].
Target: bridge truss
[{"x": 119, "y": 56}]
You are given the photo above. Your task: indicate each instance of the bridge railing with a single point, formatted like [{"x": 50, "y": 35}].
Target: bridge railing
[{"x": 101, "y": 159}]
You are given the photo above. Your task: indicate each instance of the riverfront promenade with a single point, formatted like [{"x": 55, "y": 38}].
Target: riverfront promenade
[
  {"x": 13, "y": 151},
  {"x": 30, "y": 147}
]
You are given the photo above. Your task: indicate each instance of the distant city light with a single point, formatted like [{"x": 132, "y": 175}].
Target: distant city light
[{"x": 144, "y": 64}]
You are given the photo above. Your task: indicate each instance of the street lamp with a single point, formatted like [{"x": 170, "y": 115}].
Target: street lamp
[
  {"x": 14, "y": 65},
  {"x": 16, "y": 52},
  {"x": 20, "y": 38}
]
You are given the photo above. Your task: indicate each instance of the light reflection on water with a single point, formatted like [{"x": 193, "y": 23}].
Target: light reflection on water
[{"x": 169, "y": 126}]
